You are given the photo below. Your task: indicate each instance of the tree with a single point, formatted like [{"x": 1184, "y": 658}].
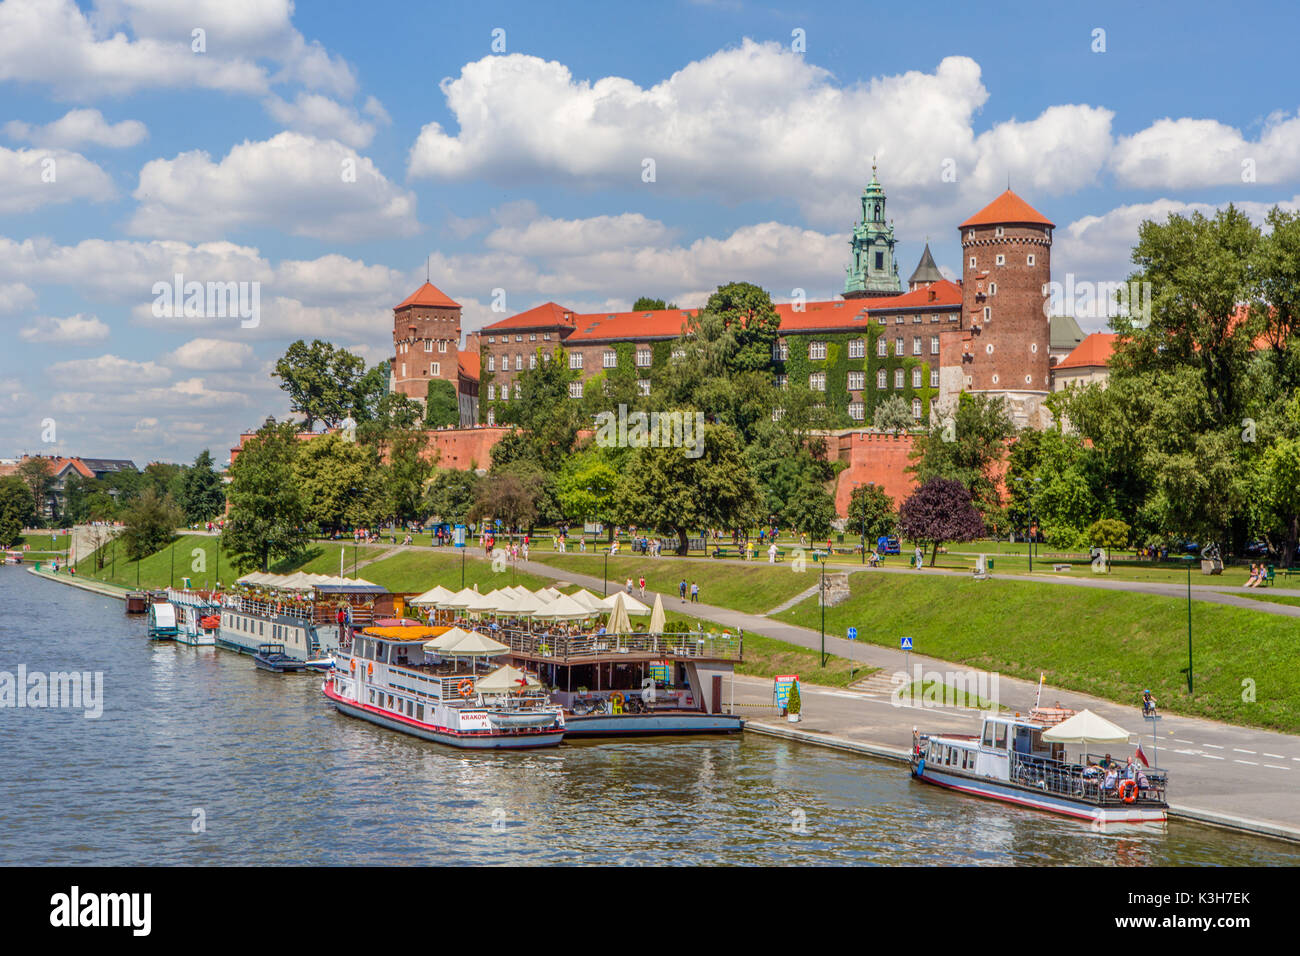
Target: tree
[
  {"x": 203, "y": 494},
  {"x": 893, "y": 415},
  {"x": 747, "y": 313},
  {"x": 450, "y": 495},
  {"x": 940, "y": 511},
  {"x": 587, "y": 484},
  {"x": 16, "y": 507},
  {"x": 267, "y": 512},
  {"x": 548, "y": 418},
  {"x": 508, "y": 496},
  {"x": 1109, "y": 533},
  {"x": 871, "y": 512},
  {"x": 150, "y": 524},
  {"x": 966, "y": 447},
  {"x": 405, "y": 473},
  {"x": 647, "y": 304},
  {"x": 325, "y": 383},
  {"x": 442, "y": 406},
  {"x": 666, "y": 490},
  {"x": 38, "y": 474},
  {"x": 339, "y": 481}
]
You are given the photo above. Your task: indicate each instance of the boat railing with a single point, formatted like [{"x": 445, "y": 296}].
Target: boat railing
[
  {"x": 1079, "y": 782},
  {"x": 269, "y": 609},
  {"x": 563, "y": 647}
]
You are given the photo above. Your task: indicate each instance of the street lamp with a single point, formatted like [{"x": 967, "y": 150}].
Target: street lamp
[
  {"x": 823, "y": 602},
  {"x": 1189, "y": 625},
  {"x": 1029, "y": 522}
]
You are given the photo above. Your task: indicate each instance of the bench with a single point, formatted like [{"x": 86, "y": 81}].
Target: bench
[{"x": 1062, "y": 567}]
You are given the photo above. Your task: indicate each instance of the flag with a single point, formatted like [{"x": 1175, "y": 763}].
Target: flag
[{"x": 1142, "y": 757}]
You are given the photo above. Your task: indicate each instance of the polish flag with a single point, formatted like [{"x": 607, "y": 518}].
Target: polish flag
[{"x": 1142, "y": 757}]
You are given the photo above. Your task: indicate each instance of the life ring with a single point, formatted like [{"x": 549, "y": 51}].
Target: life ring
[
  {"x": 465, "y": 687},
  {"x": 1128, "y": 790},
  {"x": 352, "y": 665},
  {"x": 370, "y": 668}
]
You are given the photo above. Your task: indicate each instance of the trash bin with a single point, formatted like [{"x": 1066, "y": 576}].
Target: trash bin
[
  {"x": 990, "y": 564},
  {"x": 185, "y": 584}
]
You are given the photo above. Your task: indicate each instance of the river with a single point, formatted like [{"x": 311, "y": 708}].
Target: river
[{"x": 200, "y": 758}]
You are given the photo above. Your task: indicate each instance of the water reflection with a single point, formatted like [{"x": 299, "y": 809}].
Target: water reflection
[{"x": 281, "y": 778}]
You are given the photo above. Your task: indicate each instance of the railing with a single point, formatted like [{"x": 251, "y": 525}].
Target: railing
[
  {"x": 564, "y": 647},
  {"x": 273, "y": 609},
  {"x": 1072, "y": 780}
]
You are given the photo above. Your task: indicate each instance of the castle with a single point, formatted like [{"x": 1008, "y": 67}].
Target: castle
[{"x": 987, "y": 332}]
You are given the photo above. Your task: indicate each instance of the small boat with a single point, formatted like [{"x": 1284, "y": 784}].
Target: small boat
[
  {"x": 162, "y": 621},
  {"x": 200, "y": 618},
  {"x": 323, "y": 663},
  {"x": 272, "y": 657}
]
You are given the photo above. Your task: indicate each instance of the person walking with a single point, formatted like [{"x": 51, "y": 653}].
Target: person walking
[
  {"x": 681, "y": 589},
  {"x": 919, "y": 557},
  {"x": 695, "y": 593},
  {"x": 629, "y": 587},
  {"x": 641, "y": 581},
  {"x": 771, "y": 553}
]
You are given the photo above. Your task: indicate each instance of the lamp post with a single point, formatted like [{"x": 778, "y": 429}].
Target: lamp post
[
  {"x": 1189, "y": 625},
  {"x": 1029, "y": 522},
  {"x": 823, "y": 603}
]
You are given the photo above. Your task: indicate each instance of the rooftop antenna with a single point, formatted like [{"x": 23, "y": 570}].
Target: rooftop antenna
[{"x": 427, "y": 267}]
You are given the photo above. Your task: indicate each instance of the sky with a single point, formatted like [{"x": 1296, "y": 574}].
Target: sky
[{"x": 325, "y": 155}]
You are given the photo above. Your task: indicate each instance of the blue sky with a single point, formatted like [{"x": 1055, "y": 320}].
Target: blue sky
[{"x": 521, "y": 168}]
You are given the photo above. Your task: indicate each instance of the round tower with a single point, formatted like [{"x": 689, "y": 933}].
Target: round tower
[{"x": 1006, "y": 268}]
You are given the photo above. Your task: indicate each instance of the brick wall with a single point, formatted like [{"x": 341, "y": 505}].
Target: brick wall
[{"x": 871, "y": 456}]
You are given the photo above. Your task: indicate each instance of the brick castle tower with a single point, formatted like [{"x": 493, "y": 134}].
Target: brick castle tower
[
  {"x": 1002, "y": 345},
  {"x": 426, "y": 342}
]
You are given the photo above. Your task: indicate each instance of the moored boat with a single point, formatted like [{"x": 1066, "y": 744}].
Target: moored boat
[
  {"x": 1010, "y": 760},
  {"x": 198, "y": 617},
  {"x": 271, "y": 657},
  {"x": 162, "y": 621}
]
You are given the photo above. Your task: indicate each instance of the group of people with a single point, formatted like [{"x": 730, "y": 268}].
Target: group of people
[
  {"x": 1258, "y": 575},
  {"x": 694, "y": 590},
  {"x": 1112, "y": 774}
]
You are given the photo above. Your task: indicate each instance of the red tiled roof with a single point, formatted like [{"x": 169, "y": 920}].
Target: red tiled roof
[
  {"x": 548, "y": 314},
  {"x": 469, "y": 364},
  {"x": 428, "y": 295},
  {"x": 1093, "y": 352},
  {"x": 658, "y": 323},
  {"x": 1007, "y": 208}
]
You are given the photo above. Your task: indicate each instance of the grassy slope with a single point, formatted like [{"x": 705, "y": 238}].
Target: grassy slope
[{"x": 1106, "y": 643}]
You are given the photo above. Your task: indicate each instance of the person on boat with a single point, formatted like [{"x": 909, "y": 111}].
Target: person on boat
[
  {"x": 1111, "y": 781},
  {"x": 1130, "y": 771}
]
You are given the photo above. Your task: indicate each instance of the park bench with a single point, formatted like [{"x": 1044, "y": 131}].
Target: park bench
[{"x": 1062, "y": 567}]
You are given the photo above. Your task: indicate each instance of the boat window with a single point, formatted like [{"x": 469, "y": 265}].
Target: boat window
[
  {"x": 988, "y": 734},
  {"x": 419, "y": 712},
  {"x": 1000, "y": 737}
]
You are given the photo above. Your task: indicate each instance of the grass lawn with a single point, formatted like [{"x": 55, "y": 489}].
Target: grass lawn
[
  {"x": 41, "y": 541},
  {"x": 756, "y": 587},
  {"x": 1106, "y": 643},
  {"x": 1272, "y": 598},
  {"x": 945, "y": 695}
]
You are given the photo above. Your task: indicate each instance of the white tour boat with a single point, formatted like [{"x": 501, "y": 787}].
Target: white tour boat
[
  {"x": 198, "y": 617},
  {"x": 1010, "y": 761},
  {"x": 388, "y": 677}
]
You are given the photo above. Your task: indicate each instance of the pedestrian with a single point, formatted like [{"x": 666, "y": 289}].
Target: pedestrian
[
  {"x": 771, "y": 554},
  {"x": 629, "y": 586},
  {"x": 695, "y": 593},
  {"x": 681, "y": 589},
  {"x": 642, "y": 583},
  {"x": 919, "y": 557}
]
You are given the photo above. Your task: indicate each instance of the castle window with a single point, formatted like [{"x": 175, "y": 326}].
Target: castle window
[
  {"x": 882, "y": 380},
  {"x": 678, "y": 354},
  {"x": 1034, "y": 348},
  {"x": 546, "y": 336},
  {"x": 781, "y": 381},
  {"x": 532, "y": 360},
  {"x": 934, "y": 378},
  {"x": 435, "y": 368},
  {"x": 519, "y": 391},
  {"x": 575, "y": 360},
  {"x": 857, "y": 381},
  {"x": 492, "y": 363},
  {"x": 857, "y": 348},
  {"x": 778, "y": 414},
  {"x": 898, "y": 320},
  {"x": 916, "y": 318},
  {"x": 428, "y": 345},
  {"x": 972, "y": 262},
  {"x": 916, "y": 377},
  {"x": 952, "y": 316},
  {"x": 934, "y": 345},
  {"x": 881, "y": 320},
  {"x": 995, "y": 379},
  {"x": 999, "y": 231},
  {"x": 1030, "y": 260},
  {"x": 519, "y": 361},
  {"x": 856, "y": 411},
  {"x": 898, "y": 345},
  {"x": 492, "y": 393},
  {"x": 817, "y": 350},
  {"x": 970, "y": 234},
  {"x": 643, "y": 386},
  {"x": 575, "y": 390},
  {"x": 519, "y": 337},
  {"x": 988, "y": 313},
  {"x": 882, "y": 347},
  {"x": 817, "y": 381},
  {"x": 644, "y": 358},
  {"x": 610, "y": 359},
  {"x": 993, "y": 288},
  {"x": 880, "y": 261},
  {"x": 532, "y": 336},
  {"x": 1001, "y": 260},
  {"x": 492, "y": 417},
  {"x": 403, "y": 370},
  {"x": 916, "y": 409},
  {"x": 898, "y": 378},
  {"x": 916, "y": 345},
  {"x": 780, "y": 351},
  {"x": 491, "y": 339}
]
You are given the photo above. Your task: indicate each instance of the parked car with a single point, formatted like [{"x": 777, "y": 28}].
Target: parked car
[{"x": 887, "y": 544}]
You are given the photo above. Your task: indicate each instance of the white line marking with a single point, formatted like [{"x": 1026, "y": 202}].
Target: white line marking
[
  {"x": 1276, "y": 756},
  {"x": 1180, "y": 740},
  {"x": 1215, "y": 746},
  {"x": 1276, "y": 767},
  {"x": 1238, "y": 750},
  {"x": 1250, "y": 762},
  {"x": 1211, "y": 757}
]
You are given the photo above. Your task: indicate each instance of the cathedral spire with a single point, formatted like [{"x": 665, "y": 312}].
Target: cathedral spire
[{"x": 872, "y": 271}]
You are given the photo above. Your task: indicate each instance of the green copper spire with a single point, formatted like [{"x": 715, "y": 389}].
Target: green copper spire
[{"x": 872, "y": 270}]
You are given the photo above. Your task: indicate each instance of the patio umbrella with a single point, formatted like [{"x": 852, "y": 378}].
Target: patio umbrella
[
  {"x": 432, "y": 596},
  {"x": 634, "y": 607},
  {"x": 618, "y": 619},
  {"x": 506, "y": 679},
  {"x": 657, "y": 618},
  {"x": 563, "y": 608},
  {"x": 549, "y": 594},
  {"x": 587, "y": 599},
  {"x": 1086, "y": 728},
  {"x": 475, "y": 644},
  {"x": 450, "y": 637}
]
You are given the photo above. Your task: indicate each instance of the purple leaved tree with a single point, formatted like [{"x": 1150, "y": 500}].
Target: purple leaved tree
[{"x": 940, "y": 511}]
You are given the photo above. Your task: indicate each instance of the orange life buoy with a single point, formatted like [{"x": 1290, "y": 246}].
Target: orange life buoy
[
  {"x": 352, "y": 665},
  {"x": 370, "y": 668},
  {"x": 1128, "y": 790},
  {"x": 465, "y": 687}
]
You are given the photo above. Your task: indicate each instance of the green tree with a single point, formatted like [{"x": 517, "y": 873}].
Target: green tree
[
  {"x": 442, "y": 406},
  {"x": 647, "y": 304},
  {"x": 405, "y": 473},
  {"x": 966, "y": 446},
  {"x": 16, "y": 508},
  {"x": 586, "y": 486},
  {"x": 548, "y": 418},
  {"x": 150, "y": 524},
  {"x": 268, "y": 516},
  {"x": 509, "y": 496},
  {"x": 340, "y": 483},
  {"x": 871, "y": 513},
  {"x": 203, "y": 494},
  {"x": 1109, "y": 533},
  {"x": 893, "y": 415},
  {"x": 450, "y": 495},
  {"x": 666, "y": 490},
  {"x": 748, "y": 315},
  {"x": 325, "y": 383},
  {"x": 38, "y": 474}
]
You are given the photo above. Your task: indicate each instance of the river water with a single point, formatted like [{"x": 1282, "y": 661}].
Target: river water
[{"x": 199, "y": 757}]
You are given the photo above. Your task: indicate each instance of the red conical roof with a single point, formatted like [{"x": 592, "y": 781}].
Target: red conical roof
[
  {"x": 429, "y": 295},
  {"x": 1006, "y": 209}
]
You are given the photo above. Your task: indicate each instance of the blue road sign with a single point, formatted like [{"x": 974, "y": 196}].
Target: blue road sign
[
  {"x": 905, "y": 643},
  {"x": 853, "y": 634}
]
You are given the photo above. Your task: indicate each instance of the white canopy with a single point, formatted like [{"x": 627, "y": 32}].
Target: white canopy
[
  {"x": 461, "y": 599},
  {"x": 475, "y": 644},
  {"x": 432, "y": 596},
  {"x": 618, "y": 619},
  {"x": 449, "y": 638},
  {"x": 298, "y": 581},
  {"x": 563, "y": 608},
  {"x": 505, "y": 679},
  {"x": 522, "y": 605},
  {"x": 1085, "y": 728},
  {"x": 634, "y": 607},
  {"x": 587, "y": 599},
  {"x": 548, "y": 594}
]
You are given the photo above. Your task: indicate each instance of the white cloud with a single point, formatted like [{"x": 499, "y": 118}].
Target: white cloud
[
  {"x": 76, "y": 329},
  {"x": 307, "y": 186},
  {"x": 211, "y": 355},
  {"x": 78, "y": 127},
  {"x": 321, "y": 116},
  {"x": 756, "y": 121},
  {"x": 1187, "y": 153},
  {"x": 549, "y": 237},
  {"x": 108, "y": 371},
  {"x": 38, "y": 177},
  {"x": 124, "y": 46},
  {"x": 15, "y": 296}
]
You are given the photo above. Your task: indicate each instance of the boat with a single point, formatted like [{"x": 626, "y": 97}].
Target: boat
[
  {"x": 390, "y": 678},
  {"x": 299, "y": 611},
  {"x": 162, "y": 621},
  {"x": 13, "y": 557},
  {"x": 324, "y": 663},
  {"x": 1011, "y": 761},
  {"x": 271, "y": 657},
  {"x": 199, "y": 617}
]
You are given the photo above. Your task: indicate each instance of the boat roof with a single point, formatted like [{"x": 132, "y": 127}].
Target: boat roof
[{"x": 404, "y": 635}]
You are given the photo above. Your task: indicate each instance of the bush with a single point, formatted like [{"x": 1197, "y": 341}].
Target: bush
[
  {"x": 793, "y": 704},
  {"x": 1109, "y": 533}
]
